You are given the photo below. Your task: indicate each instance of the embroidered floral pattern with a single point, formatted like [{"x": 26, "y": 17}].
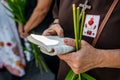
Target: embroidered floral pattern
[
  {"x": 11, "y": 53},
  {"x": 2, "y": 44}
]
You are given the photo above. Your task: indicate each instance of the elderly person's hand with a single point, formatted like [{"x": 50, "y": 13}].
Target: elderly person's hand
[
  {"x": 54, "y": 29},
  {"x": 83, "y": 60}
]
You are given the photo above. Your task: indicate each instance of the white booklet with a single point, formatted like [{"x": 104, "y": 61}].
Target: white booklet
[{"x": 50, "y": 45}]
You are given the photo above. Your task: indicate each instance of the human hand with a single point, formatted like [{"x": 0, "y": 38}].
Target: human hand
[
  {"x": 83, "y": 60},
  {"x": 54, "y": 29},
  {"x": 23, "y": 33}
]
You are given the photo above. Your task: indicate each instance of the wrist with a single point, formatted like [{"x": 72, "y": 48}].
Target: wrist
[
  {"x": 26, "y": 30},
  {"x": 110, "y": 58},
  {"x": 102, "y": 59},
  {"x": 54, "y": 23}
]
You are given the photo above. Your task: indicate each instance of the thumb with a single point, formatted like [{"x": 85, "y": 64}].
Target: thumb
[{"x": 69, "y": 41}]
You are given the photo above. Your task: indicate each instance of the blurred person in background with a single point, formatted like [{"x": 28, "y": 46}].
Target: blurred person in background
[{"x": 39, "y": 17}]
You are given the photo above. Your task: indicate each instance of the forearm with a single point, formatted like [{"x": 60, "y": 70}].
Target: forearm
[
  {"x": 110, "y": 58},
  {"x": 34, "y": 20},
  {"x": 38, "y": 14}
]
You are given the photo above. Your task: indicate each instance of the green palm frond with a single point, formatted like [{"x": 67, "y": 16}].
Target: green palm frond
[
  {"x": 17, "y": 8},
  {"x": 78, "y": 37}
]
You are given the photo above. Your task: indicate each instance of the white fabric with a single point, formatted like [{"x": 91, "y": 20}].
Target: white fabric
[{"x": 11, "y": 53}]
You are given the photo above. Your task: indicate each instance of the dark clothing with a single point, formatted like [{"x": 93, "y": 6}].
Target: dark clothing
[
  {"x": 109, "y": 38},
  {"x": 52, "y": 62}
]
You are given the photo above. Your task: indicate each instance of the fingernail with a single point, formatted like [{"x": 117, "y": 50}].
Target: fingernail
[{"x": 65, "y": 41}]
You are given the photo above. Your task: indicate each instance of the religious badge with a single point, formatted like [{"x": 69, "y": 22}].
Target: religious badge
[{"x": 91, "y": 25}]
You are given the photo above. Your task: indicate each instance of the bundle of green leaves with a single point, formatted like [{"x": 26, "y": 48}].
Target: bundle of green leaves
[
  {"x": 17, "y": 8},
  {"x": 77, "y": 20}
]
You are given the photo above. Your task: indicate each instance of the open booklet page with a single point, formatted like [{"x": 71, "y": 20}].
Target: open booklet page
[{"x": 50, "y": 45}]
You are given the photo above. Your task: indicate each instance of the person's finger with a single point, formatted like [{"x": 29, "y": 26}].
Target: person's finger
[
  {"x": 67, "y": 58},
  {"x": 58, "y": 30},
  {"x": 69, "y": 41},
  {"x": 23, "y": 35},
  {"x": 62, "y": 56},
  {"x": 49, "y": 32}
]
